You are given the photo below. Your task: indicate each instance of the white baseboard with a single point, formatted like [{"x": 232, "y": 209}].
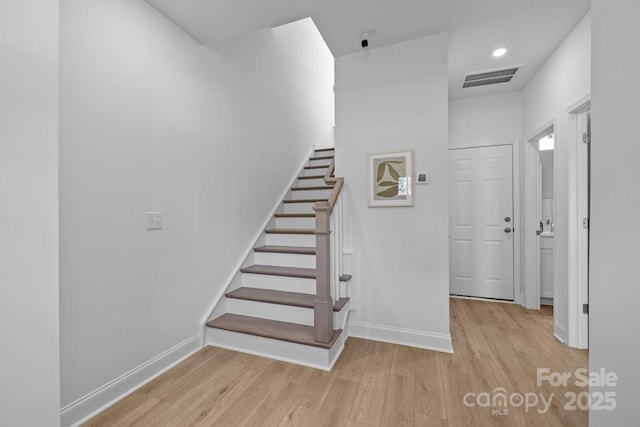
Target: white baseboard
[
  {"x": 559, "y": 331},
  {"x": 408, "y": 337},
  {"x": 100, "y": 399}
]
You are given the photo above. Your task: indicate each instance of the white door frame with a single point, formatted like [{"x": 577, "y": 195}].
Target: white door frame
[
  {"x": 578, "y": 249},
  {"x": 577, "y": 286},
  {"x": 517, "y": 211},
  {"x": 531, "y": 218}
]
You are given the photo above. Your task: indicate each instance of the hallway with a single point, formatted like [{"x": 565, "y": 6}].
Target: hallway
[{"x": 373, "y": 383}]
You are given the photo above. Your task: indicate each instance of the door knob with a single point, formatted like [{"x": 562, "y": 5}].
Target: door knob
[
  {"x": 507, "y": 230},
  {"x": 507, "y": 219}
]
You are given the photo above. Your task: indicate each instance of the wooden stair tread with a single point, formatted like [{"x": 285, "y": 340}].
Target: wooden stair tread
[
  {"x": 283, "y": 331},
  {"x": 321, "y": 158},
  {"x": 300, "y": 250},
  {"x": 319, "y": 150},
  {"x": 295, "y": 299},
  {"x": 312, "y": 177},
  {"x": 290, "y": 231},
  {"x": 317, "y": 167},
  {"x": 305, "y": 200},
  {"x": 319, "y": 187},
  {"x": 295, "y": 215},
  {"x": 273, "y": 270}
]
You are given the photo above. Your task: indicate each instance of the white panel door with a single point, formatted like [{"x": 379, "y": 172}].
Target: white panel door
[{"x": 481, "y": 222}]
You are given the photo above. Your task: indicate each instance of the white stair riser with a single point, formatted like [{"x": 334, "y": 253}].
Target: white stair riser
[
  {"x": 279, "y": 283},
  {"x": 313, "y": 172},
  {"x": 310, "y": 182},
  {"x": 285, "y": 260},
  {"x": 308, "y": 240},
  {"x": 295, "y": 223},
  {"x": 318, "y": 358},
  {"x": 330, "y": 152},
  {"x": 283, "y": 313},
  {"x": 310, "y": 194},
  {"x": 321, "y": 162},
  {"x": 298, "y": 208}
]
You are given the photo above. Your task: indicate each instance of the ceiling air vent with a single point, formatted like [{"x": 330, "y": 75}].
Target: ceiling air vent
[{"x": 485, "y": 78}]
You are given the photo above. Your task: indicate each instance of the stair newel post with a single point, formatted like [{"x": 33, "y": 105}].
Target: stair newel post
[{"x": 323, "y": 304}]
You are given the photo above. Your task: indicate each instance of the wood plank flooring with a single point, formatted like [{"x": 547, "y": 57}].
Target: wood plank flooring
[{"x": 373, "y": 384}]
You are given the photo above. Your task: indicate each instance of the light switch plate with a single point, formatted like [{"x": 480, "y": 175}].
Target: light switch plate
[{"x": 154, "y": 220}]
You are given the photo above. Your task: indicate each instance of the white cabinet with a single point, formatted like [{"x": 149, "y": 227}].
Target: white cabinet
[{"x": 546, "y": 266}]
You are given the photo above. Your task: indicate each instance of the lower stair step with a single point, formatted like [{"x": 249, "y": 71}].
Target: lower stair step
[
  {"x": 295, "y": 215},
  {"x": 290, "y": 231},
  {"x": 295, "y": 299},
  {"x": 271, "y": 270},
  {"x": 304, "y": 200},
  {"x": 300, "y": 250},
  {"x": 317, "y": 187},
  {"x": 283, "y": 331}
]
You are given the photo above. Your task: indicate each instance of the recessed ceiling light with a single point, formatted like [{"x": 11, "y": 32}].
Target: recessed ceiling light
[{"x": 499, "y": 52}]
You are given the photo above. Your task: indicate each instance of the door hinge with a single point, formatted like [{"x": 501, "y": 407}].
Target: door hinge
[
  {"x": 585, "y": 308},
  {"x": 586, "y": 138},
  {"x": 585, "y": 223}
]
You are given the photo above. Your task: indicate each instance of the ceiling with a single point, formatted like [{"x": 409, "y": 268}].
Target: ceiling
[{"x": 531, "y": 29}]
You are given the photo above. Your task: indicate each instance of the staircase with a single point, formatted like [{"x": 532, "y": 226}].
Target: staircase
[{"x": 281, "y": 302}]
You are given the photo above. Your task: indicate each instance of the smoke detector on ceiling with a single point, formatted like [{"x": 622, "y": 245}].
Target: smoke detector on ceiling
[{"x": 491, "y": 77}]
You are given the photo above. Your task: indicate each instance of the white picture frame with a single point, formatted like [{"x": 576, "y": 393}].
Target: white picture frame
[{"x": 390, "y": 178}]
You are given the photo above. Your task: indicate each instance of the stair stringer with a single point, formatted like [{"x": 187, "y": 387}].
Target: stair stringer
[
  {"x": 298, "y": 354},
  {"x": 234, "y": 277}
]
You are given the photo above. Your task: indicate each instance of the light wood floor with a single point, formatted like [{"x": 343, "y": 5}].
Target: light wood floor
[{"x": 373, "y": 383}]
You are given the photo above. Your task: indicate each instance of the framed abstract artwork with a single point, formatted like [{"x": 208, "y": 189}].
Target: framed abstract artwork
[{"x": 390, "y": 179}]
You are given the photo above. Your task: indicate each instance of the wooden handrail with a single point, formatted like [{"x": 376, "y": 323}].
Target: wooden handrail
[
  {"x": 328, "y": 176},
  {"x": 337, "y": 183},
  {"x": 323, "y": 303},
  {"x": 336, "y": 192}
]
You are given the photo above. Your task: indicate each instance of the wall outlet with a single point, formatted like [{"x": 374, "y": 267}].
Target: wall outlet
[{"x": 154, "y": 220}]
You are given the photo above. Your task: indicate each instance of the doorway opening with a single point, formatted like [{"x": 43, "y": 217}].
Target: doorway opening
[
  {"x": 546, "y": 212},
  {"x": 540, "y": 207}
]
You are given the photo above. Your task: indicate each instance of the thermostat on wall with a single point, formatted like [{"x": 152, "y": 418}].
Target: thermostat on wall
[{"x": 422, "y": 178}]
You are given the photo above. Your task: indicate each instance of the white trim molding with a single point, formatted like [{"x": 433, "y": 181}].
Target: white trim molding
[
  {"x": 484, "y": 144},
  {"x": 518, "y": 219},
  {"x": 101, "y": 398},
  {"x": 400, "y": 336},
  {"x": 578, "y": 248}
]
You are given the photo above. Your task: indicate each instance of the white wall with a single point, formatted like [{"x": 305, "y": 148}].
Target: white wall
[
  {"x": 485, "y": 120},
  {"x": 394, "y": 98},
  {"x": 153, "y": 121},
  {"x": 29, "y": 358},
  {"x": 560, "y": 82},
  {"x": 615, "y": 203}
]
